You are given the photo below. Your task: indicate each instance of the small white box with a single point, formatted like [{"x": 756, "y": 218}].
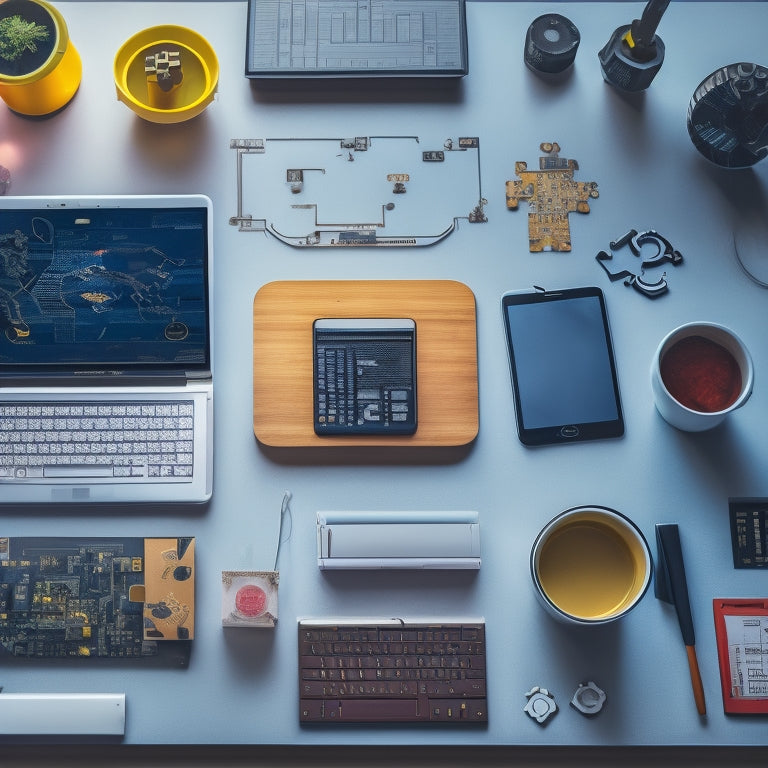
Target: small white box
[
  {"x": 407, "y": 539},
  {"x": 249, "y": 598}
]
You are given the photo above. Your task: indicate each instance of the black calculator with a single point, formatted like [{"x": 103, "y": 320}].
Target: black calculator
[{"x": 364, "y": 376}]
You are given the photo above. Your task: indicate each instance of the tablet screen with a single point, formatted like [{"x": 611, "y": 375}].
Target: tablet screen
[{"x": 563, "y": 370}]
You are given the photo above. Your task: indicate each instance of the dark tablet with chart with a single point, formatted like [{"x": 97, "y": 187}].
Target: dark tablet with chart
[
  {"x": 562, "y": 365},
  {"x": 356, "y": 38}
]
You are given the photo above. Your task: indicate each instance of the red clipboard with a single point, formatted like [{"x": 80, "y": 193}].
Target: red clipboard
[{"x": 741, "y": 628}]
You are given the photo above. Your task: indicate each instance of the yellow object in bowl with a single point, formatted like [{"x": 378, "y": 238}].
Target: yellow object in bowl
[{"x": 136, "y": 76}]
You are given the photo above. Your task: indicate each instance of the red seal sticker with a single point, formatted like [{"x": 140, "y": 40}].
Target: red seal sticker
[{"x": 251, "y": 601}]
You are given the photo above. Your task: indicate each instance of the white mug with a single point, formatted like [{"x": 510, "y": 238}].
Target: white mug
[{"x": 682, "y": 416}]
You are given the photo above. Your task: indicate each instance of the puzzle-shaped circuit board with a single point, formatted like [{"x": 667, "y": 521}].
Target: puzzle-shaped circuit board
[
  {"x": 551, "y": 193},
  {"x": 90, "y": 598}
]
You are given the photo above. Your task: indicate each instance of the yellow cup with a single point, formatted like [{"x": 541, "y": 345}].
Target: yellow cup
[
  {"x": 51, "y": 85},
  {"x": 590, "y": 565},
  {"x": 199, "y": 67}
]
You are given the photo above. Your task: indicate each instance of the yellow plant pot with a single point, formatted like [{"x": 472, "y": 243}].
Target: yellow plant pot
[
  {"x": 140, "y": 91},
  {"x": 51, "y": 84}
]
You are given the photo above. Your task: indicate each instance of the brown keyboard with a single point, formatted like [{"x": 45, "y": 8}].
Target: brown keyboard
[{"x": 392, "y": 671}]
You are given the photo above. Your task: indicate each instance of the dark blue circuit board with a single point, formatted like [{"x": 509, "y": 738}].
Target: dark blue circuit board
[{"x": 76, "y": 598}]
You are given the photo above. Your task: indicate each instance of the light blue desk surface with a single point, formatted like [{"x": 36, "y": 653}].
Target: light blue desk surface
[{"x": 241, "y": 685}]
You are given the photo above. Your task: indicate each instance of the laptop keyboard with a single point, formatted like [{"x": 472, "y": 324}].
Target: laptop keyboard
[
  {"x": 113, "y": 439},
  {"x": 392, "y": 671}
]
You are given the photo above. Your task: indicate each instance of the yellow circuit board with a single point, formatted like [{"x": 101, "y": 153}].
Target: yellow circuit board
[{"x": 551, "y": 193}]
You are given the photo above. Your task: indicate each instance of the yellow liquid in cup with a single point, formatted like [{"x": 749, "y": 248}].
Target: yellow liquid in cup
[{"x": 590, "y": 570}]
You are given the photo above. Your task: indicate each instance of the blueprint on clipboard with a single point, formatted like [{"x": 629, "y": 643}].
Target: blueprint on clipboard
[{"x": 748, "y": 655}]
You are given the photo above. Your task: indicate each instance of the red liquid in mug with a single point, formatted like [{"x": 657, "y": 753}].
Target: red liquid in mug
[{"x": 701, "y": 374}]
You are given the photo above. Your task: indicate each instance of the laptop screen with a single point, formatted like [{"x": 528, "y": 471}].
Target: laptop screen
[{"x": 95, "y": 287}]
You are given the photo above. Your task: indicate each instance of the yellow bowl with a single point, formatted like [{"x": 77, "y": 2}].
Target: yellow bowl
[{"x": 199, "y": 65}]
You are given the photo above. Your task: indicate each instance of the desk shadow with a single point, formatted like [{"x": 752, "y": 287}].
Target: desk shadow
[
  {"x": 364, "y": 456},
  {"x": 173, "y": 149},
  {"x": 250, "y": 650},
  {"x": 583, "y": 655},
  {"x": 329, "y": 91},
  {"x": 170, "y": 655},
  {"x": 394, "y": 581},
  {"x": 133, "y": 510},
  {"x": 551, "y": 82},
  {"x": 629, "y": 114},
  {"x": 82, "y": 742},
  {"x": 722, "y": 460},
  {"x": 741, "y": 189},
  {"x": 744, "y": 195}
]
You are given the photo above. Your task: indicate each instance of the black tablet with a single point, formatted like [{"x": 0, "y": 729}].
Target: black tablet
[{"x": 563, "y": 369}]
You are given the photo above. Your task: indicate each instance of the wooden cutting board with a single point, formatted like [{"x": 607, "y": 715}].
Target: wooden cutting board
[{"x": 446, "y": 350}]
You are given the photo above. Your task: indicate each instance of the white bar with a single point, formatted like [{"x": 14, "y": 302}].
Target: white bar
[
  {"x": 78, "y": 470},
  {"x": 409, "y": 563},
  {"x": 308, "y": 622},
  {"x": 397, "y": 516},
  {"x": 413, "y": 540},
  {"x": 58, "y": 714}
]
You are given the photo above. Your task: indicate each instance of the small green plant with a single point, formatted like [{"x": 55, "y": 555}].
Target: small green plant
[{"x": 18, "y": 37}]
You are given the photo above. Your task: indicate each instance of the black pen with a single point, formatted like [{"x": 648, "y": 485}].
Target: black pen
[{"x": 671, "y": 587}]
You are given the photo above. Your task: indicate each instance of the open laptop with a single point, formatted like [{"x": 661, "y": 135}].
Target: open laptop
[{"x": 106, "y": 349}]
